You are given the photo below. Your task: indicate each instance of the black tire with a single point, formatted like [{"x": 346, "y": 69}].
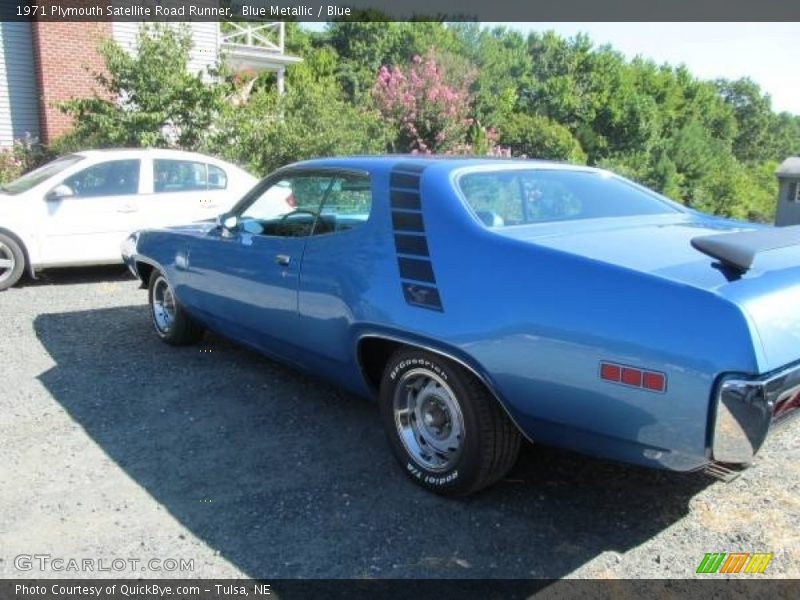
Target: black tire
[
  {"x": 12, "y": 265},
  {"x": 179, "y": 329},
  {"x": 487, "y": 446}
]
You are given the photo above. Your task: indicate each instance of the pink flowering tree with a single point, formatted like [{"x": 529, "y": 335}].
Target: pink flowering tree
[{"x": 429, "y": 110}]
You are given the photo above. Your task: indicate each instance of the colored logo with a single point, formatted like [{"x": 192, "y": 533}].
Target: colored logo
[{"x": 734, "y": 562}]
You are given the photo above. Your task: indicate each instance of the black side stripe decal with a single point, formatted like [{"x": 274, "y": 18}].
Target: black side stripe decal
[
  {"x": 407, "y": 221},
  {"x": 410, "y": 167},
  {"x": 405, "y": 200},
  {"x": 404, "y": 180},
  {"x": 418, "y": 282},
  {"x": 411, "y": 244},
  {"x": 416, "y": 269}
]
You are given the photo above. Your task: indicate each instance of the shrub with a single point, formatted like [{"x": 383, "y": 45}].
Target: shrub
[
  {"x": 147, "y": 98},
  {"x": 24, "y": 155},
  {"x": 535, "y": 136},
  {"x": 429, "y": 110},
  {"x": 311, "y": 119}
]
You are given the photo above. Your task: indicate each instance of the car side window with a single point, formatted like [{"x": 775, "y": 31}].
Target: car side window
[
  {"x": 348, "y": 203},
  {"x": 289, "y": 207},
  {"x": 525, "y": 196},
  {"x": 171, "y": 175},
  {"x": 217, "y": 178},
  {"x": 500, "y": 199},
  {"x": 112, "y": 178}
]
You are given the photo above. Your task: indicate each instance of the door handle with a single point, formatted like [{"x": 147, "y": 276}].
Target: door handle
[
  {"x": 283, "y": 259},
  {"x": 127, "y": 208}
]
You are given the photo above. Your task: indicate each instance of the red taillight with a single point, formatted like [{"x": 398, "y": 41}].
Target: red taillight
[
  {"x": 633, "y": 377},
  {"x": 654, "y": 381},
  {"x": 610, "y": 372}
]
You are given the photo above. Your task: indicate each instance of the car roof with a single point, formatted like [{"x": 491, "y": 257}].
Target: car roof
[
  {"x": 443, "y": 162},
  {"x": 152, "y": 152}
]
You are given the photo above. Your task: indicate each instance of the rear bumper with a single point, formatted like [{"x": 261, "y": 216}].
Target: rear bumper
[{"x": 745, "y": 410}]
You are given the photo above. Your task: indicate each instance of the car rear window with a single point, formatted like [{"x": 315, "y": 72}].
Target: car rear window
[{"x": 522, "y": 196}]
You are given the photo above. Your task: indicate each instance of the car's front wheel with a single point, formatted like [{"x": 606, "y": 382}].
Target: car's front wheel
[
  {"x": 170, "y": 320},
  {"x": 448, "y": 432},
  {"x": 12, "y": 262}
]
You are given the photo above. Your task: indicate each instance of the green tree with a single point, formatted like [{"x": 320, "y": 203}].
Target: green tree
[
  {"x": 536, "y": 136},
  {"x": 503, "y": 68},
  {"x": 784, "y": 135},
  {"x": 311, "y": 119},
  {"x": 753, "y": 111},
  {"x": 147, "y": 98}
]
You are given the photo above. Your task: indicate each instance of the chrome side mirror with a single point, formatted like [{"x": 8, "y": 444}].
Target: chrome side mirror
[{"x": 227, "y": 223}]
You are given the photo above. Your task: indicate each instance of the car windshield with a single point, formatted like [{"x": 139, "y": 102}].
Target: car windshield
[
  {"x": 37, "y": 176},
  {"x": 522, "y": 196}
]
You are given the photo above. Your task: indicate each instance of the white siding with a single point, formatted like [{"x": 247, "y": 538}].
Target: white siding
[
  {"x": 205, "y": 48},
  {"x": 19, "y": 98}
]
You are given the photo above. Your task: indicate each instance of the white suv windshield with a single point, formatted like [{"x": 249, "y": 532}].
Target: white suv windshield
[
  {"x": 522, "y": 196},
  {"x": 37, "y": 176}
]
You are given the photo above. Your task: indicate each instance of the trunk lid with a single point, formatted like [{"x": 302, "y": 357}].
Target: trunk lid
[{"x": 661, "y": 246}]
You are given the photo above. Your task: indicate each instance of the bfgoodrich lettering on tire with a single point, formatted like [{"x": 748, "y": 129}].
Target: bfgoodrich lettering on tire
[{"x": 445, "y": 428}]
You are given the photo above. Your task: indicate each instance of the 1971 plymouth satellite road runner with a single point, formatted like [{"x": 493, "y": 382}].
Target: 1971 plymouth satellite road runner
[{"x": 485, "y": 300}]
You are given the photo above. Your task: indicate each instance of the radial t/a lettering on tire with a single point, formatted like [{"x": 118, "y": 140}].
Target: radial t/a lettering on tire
[
  {"x": 12, "y": 261},
  {"x": 448, "y": 432},
  {"x": 170, "y": 320}
]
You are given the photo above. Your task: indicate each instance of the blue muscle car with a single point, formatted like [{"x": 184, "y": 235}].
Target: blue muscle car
[{"x": 484, "y": 300}]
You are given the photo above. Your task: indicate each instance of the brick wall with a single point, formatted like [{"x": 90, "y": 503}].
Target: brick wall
[{"x": 66, "y": 61}]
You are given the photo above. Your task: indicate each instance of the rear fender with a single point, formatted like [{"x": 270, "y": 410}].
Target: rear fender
[{"x": 435, "y": 347}]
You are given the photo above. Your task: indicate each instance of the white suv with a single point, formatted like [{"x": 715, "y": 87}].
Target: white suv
[{"x": 78, "y": 209}]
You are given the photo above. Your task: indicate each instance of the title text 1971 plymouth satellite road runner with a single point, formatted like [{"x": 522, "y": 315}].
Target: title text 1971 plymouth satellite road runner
[{"x": 482, "y": 300}]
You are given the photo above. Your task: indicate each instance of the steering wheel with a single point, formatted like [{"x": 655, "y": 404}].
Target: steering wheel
[
  {"x": 300, "y": 211},
  {"x": 282, "y": 222}
]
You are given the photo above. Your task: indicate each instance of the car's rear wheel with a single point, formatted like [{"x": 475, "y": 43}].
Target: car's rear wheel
[
  {"x": 12, "y": 261},
  {"x": 445, "y": 428},
  {"x": 170, "y": 320}
]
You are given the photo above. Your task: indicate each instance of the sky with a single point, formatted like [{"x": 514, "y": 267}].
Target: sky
[{"x": 768, "y": 53}]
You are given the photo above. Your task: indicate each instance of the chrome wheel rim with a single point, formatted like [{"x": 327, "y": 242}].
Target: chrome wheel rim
[
  {"x": 428, "y": 419},
  {"x": 7, "y": 262},
  {"x": 163, "y": 305}
]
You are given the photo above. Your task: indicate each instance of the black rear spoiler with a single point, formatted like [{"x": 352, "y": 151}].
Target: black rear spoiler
[{"x": 740, "y": 248}]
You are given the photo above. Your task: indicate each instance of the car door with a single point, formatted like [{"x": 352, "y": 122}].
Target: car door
[
  {"x": 338, "y": 266},
  {"x": 243, "y": 279},
  {"x": 90, "y": 212},
  {"x": 184, "y": 191}
]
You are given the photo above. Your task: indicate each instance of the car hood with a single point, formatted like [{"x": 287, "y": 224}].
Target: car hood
[{"x": 768, "y": 294}]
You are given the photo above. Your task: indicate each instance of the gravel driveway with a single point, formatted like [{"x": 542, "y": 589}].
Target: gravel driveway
[{"x": 114, "y": 445}]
